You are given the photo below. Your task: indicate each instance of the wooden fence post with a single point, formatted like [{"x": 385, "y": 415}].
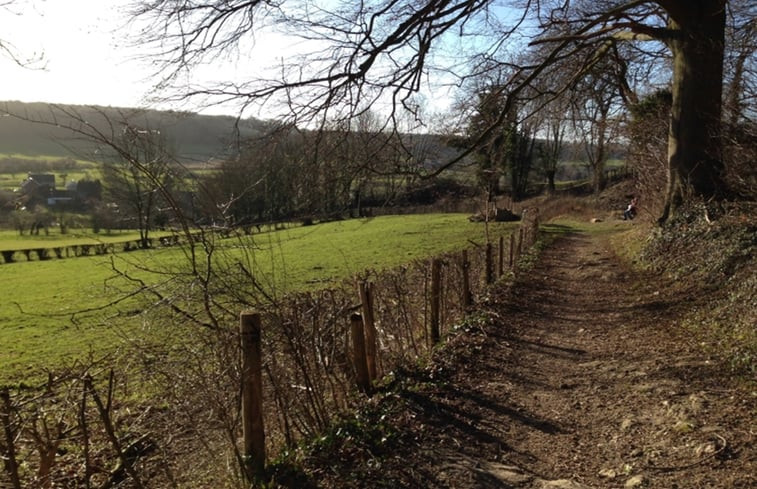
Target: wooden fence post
[
  {"x": 519, "y": 249},
  {"x": 489, "y": 264},
  {"x": 252, "y": 396},
  {"x": 359, "y": 357},
  {"x": 369, "y": 328},
  {"x": 512, "y": 250},
  {"x": 467, "y": 298},
  {"x": 501, "y": 263},
  {"x": 9, "y": 438},
  {"x": 436, "y": 299}
]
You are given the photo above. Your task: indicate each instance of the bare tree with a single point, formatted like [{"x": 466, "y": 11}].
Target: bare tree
[
  {"x": 385, "y": 51},
  {"x": 358, "y": 152},
  {"x": 596, "y": 116},
  {"x": 741, "y": 98},
  {"x": 135, "y": 183},
  {"x": 554, "y": 123},
  {"x": 259, "y": 185},
  {"x": 647, "y": 130},
  {"x": 8, "y": 49}
]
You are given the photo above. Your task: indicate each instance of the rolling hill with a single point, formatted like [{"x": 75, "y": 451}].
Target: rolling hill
[{"x": 195, "y": 137}]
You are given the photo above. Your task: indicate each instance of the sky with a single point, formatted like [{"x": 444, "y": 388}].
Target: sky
[
  {"x": 88, "y": 57},
  {"x": 84, "y": 55}
]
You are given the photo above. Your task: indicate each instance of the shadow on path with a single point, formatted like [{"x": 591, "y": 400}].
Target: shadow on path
[{"x": 579, "y": 379}]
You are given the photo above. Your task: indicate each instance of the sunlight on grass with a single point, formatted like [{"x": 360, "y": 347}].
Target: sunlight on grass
[{"x": 40, "y": 298}]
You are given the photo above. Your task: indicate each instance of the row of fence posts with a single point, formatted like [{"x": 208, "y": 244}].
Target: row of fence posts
[{"x": 363, "y": 333}]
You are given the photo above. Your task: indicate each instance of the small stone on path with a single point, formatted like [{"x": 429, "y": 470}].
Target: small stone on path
[
  {"x": 506, "y": 473},
  {"x": 635, "y": 481},
  {"x": 563, "y": 484}
]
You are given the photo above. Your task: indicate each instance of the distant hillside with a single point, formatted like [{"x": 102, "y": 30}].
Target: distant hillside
[
  {"x": 198, "y": 138},
  {"x": 194, "y": 137}
]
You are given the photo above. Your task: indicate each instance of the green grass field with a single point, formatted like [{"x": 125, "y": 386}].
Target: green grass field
[
  {"x": 39, "y": 299},
  {"x": 11, "y": 179}
]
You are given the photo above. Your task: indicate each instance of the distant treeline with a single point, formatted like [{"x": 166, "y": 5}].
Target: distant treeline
[{"x": 36, "y": 165}]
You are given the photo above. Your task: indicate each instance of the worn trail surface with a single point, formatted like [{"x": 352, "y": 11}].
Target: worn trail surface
[{"x": 577, "y": 379}]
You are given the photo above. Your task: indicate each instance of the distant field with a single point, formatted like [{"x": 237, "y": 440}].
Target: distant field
[
  {"x": 39, "y": 298},
  {"x": 48, "y": 158},
  {"x": 10, "y": 179},
  {"x": 583, "y": 166},
  {"x": 14, "y": 168}
]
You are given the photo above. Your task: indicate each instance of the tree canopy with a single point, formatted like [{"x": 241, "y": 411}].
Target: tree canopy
[{"x": 389, "y": 53}]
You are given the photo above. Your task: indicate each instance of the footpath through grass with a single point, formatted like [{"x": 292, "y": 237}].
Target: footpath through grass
[{"x": 39, "y": 299}]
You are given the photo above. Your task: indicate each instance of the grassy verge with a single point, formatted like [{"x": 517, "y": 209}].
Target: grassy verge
[{"x": 712, "y": 264}]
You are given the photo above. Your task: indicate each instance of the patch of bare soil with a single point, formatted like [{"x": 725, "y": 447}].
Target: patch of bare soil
[{"x": 573, "y": 377}]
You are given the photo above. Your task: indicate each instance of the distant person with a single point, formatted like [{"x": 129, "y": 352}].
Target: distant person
[{"x": 631, "y": 210}]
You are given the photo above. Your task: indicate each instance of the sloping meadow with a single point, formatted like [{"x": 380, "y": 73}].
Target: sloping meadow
[{"x": 170, "y": 412}]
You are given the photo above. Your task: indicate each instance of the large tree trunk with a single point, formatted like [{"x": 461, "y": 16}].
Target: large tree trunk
[{"x": 695, "y": 163}]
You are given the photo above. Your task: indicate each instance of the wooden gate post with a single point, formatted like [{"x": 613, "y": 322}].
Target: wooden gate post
[
  {"x": 436, "y": 299},
  {"x": 252, "y": 396},
  {"x": 359, "y": 357},
  {"x": 467, "y": 298},
  {"x": 369, "y": 328}
]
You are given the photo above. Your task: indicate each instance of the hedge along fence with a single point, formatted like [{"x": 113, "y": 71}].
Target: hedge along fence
[
  {"x": 316, "y": 348},
  {"x": 86, "y": 249},
  {"x": 60, "y": 252},
  {"x": 304, "y": 364}
]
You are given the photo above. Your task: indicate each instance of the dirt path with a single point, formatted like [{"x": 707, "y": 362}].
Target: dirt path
[{"x": 596, "y": 390}]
